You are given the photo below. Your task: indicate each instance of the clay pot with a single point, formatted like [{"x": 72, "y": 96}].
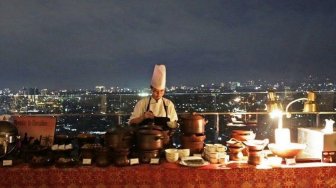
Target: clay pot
[
  {"x": 166, "y": 137},
  {"x": 193, "y": 124},
  {"x": 236, "y": 153},
  {"x": 255, "y": 157},
  {"x": 119, "y": 137},
  {"x": 149, "y": 138}
]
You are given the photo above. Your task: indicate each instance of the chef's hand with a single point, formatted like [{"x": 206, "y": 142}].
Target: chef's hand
[{"x": 148, "y": 114}]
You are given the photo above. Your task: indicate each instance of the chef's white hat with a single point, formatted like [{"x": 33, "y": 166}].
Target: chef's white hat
[{"x": 159, "y": 77}]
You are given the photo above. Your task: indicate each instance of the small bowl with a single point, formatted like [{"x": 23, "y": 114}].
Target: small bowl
[
  {"x": 171, "y": 150},
  {"x": 234, "y": 143},
  {"x": 210, "y": 148},
  {"x": 220, "y": 148},
  {"x": 172, "y": 155},
  {"x": 213, "y": 155},
  {"x": 256, "y": 145}
]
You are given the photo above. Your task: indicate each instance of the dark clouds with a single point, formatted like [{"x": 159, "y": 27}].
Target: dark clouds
[{"x": 76, "y": 44}]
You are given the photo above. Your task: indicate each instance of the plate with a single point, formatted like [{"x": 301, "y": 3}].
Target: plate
[{"x": 204, "y": 163}]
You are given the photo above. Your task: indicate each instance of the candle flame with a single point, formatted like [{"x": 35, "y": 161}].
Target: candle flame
[{"x": 276, "y": 113}]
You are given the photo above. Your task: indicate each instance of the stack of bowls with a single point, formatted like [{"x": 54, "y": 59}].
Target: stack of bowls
[
  {"x": 215, "y": 153},
  {"x": 243, "y": 135},
  {"x": 255, "y": 151},
  {"x": 235, "y": 149}
]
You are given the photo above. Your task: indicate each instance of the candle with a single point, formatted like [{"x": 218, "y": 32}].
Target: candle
[{"x": 282, "y": 136}]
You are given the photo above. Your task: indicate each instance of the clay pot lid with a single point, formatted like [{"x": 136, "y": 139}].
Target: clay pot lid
[
  {"x": 242, "y": 132},
  {"x": 192, "y": 116},
  {"x": 120, "y": 130},
  {"x": 150, "y": 129}
]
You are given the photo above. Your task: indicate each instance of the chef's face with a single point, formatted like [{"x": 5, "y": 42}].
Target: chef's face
[{"x": 157, "y": 93}]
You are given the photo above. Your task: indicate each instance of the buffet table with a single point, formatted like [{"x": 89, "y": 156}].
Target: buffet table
[{"x": 171, "y": 175}]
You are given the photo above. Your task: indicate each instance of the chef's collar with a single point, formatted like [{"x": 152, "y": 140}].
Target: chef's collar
[{"x": 152, "y": 99}]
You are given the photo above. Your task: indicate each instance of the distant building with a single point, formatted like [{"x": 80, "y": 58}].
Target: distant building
[
  {"x": 103, "y": 104},
  {"x": 288, "y": 93},
  {"x": 5, "y": 91},
  {"x": 44, "y": 92},
  {"x": 234, "y": 85},
  {"x": 100, "y": 89}
]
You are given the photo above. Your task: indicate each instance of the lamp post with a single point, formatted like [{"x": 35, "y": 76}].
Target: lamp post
[
  {"x": 283, "y": 146},
  {"x": 309, "y": 105}
]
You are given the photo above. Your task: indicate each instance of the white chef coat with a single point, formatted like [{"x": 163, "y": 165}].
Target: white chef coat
[{"x": 157, "y": 107}]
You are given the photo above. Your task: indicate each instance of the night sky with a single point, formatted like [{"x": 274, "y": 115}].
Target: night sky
[{"x": 80, "y": 44}]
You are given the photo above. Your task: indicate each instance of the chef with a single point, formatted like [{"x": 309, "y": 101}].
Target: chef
[{"x": 155, "y": 109}]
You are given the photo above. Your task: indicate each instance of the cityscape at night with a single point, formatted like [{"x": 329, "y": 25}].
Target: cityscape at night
[{"x": 100, "y": 108}]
